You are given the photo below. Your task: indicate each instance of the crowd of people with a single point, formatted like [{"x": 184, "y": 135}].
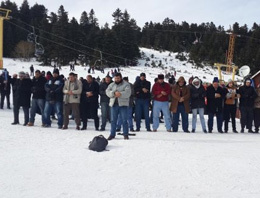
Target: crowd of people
[{"x": 122, "y": 102}]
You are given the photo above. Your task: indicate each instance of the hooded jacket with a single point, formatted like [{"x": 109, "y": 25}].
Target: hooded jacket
[
  {"x": 197, "y": 95},
  {"x": 177, "y": 93}
]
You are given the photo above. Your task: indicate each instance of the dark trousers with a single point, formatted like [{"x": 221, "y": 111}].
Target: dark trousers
[
  {"x": 230, "y": 112},
  {"x": 3, "y": 95},
  {"x": 67, "y": 108},
  {"x": 247, "y": 116},
  {"x": 90, "y": 111},
  {"x": 16, "y": 114},
  {"x": 219, "y": 121},
  {"x": 257, "y": 119},
  {"x": 142, "y": 108}
]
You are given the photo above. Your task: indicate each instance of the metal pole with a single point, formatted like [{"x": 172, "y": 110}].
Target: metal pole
[{"x": 1, "y": 41}]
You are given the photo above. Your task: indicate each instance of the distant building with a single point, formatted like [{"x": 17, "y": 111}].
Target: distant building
[{"x": 256, "y": 78}]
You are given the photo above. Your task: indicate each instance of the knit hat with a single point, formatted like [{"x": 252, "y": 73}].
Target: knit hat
[
  {"x": 215, "y": 80},
  {"x": 161, "y": 76},
  {"x": 56, "y": 71},
  {"x": 142, "y": 74}
]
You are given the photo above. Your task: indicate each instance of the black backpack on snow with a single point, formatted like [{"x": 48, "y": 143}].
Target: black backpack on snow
[{"x": 98, "y": 143}]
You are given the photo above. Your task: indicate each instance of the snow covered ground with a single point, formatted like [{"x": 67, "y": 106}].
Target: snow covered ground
[{"x": 51, "y": 163}]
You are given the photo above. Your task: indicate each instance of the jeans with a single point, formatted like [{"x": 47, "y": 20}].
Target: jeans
[
  {"x": 194, "y": 118},
  {"x": 37, "y": 103},
  {"x": 57, "y": 106},
  {"x": 142, "y": 108},
  {"x": 115, "y": 112},
  {"x": 16, "y": 114},
  {"x": 184, "y": 118},
  {"x": 157, "y": 108},
  {"x": 129, "y": 119},
  {"x": 105, "y": 114},
  {"x": 219, "y": 116}
]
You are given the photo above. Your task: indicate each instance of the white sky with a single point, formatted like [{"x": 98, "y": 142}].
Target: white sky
[{"x": 221, "y": 12}]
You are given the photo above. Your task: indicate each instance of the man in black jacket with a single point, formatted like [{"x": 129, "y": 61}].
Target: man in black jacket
[
  {"x": 38, "y": 98},
  {"x": 54, "y": 99},
  {"x": 89, "y": 102},
  {"x": 104, "y": 102},
  {"x": 143, "y": 96},
  {"x": 215, "y": 98},
  {"x": 5, "y": 89},
  {"x": 247, "y": 97},
  {"x": 22, "y": 97}
]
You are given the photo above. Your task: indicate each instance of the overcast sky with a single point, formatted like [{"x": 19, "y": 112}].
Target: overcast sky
[{"x": 221, "y": 12}]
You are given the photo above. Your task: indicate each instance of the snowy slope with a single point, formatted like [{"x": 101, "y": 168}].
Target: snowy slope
[{"x": 51, "y": 163}]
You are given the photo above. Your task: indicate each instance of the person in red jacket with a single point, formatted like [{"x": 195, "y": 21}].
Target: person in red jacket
[{"x": 161, "y": 92}]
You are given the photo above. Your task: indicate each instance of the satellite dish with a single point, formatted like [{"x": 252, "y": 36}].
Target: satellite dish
[{"x": 244, "y": 71}]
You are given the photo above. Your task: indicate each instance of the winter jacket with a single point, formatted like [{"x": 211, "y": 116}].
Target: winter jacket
[
  {"x": 76, "y": 88},
  {"x": 176, "y": 95},
  {"x": 5, "y": 86},
  {"x": 102, "y": 92},
  {"x": 215, "y": 105},
  {"x": 247, "y": 96},
  {"x": 22, "y": 92},
  {"x": 53, "y": 88},
  {"x": 131, "y": 99},
  {"x": 38, "y": 90},
  {"x": 158, "y": 88},
  {"x": 139, "y": 85},
  {"x": 257, "y": 100},
  {"x": 231, "y": 96},
  {"x": 90, "y": 87},
  {"x": 125, "y": 90},
  {"x": 197, "y": 97}
]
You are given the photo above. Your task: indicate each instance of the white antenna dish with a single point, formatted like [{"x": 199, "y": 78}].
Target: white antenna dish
[{"x": 244, "y": 71}]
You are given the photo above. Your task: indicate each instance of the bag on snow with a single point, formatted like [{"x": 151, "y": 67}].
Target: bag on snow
[{"x": 99, "y": 143}]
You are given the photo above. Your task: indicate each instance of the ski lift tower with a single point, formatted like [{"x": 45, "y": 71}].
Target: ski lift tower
[
  {"x": 4, "y": 15},
  {"x": 229, "y": 65}
]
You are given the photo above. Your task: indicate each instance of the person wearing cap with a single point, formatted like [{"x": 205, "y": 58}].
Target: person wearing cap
[
  {"x": 247, "y": 99},
  {"x": 89, "y": 102},
  {"x": 38, "y": 98},
  {"x": 180, "y": 104},
  {"x": 54, "y": 99},
  {"x": 230, "y": 105},
  {"x": 72, "y": 91},
  {"x": 197, "y": 102},
  {"x": 142, "y": 93},
  {"x": 22, "y": 97},
  {"x": 161, "y": 92},
  {"x": 215, "y": 100},
  {"x": 104, "y": 102},
  {"x": 119, "y": 93}
]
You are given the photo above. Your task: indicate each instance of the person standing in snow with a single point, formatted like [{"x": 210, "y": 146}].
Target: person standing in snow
[
  {"x": 142, "y": 93},
  {"x": 38, "y": 98},
  {"x": 119, "y": 93},
  {"x": 161, "y": 92},
  {"x": 104, "y": 102},
  {"x": 22, "y": 97},
  {"x": 246, "y": 105},
  {"x": 215, "y": 100},
  {"x": 180, "y": 104},
  {"x": 54, "y": 98},
  {"x": 230, "y": 106},
  {"x": 72, "y": 91},
  {"x": 5, "y": 89},
  {"x": 32, "y": 70},
  {"x": 197, "y": 95},
  {"x": 257, "y": 110},
  {"x": 89, "y": 102}
]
